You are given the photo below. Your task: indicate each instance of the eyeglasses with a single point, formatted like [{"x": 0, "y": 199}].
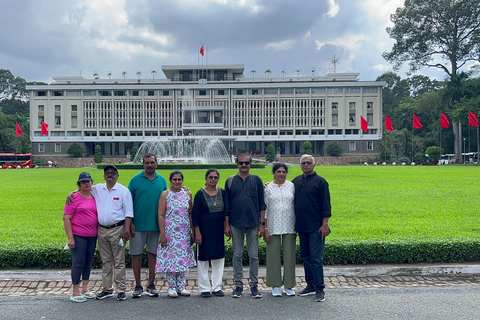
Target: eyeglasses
[
  {"x": 306, "y": 163},
  {"x": 243, "y": 163},
  {"x": 212, "y": 177},
  {"x": 110, "y": 173}
]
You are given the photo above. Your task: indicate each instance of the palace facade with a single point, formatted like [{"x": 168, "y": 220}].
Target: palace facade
[{"x": 213, "y": 100}]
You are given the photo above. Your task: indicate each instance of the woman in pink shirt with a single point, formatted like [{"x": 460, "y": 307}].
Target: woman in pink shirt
[{"x": 80, "y": 221}]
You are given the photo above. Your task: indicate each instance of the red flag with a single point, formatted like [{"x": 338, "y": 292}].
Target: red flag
[
  {"x": 44, "y": 128},
  {"x": 364, "y": 124},
  {"x": 18, "y": 130},
  {"x": 416, "y": 122},
  {"x": 444, "y": 123},
  {"x": 202, "y": 51},
  {"x": 388, "y": 124},
  {"x": 472, "y": 119}
]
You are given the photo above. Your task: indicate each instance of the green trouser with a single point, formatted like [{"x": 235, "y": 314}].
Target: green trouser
[{"x": 274, "y": 262}]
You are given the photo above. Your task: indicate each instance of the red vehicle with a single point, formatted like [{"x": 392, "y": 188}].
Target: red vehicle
[{"x": 13, "y": 160}]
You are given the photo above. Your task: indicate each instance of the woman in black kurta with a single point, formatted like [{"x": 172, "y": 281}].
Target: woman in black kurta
[{"x": 208, "y": 220}]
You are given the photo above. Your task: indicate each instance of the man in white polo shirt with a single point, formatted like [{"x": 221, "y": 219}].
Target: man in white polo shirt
[{"x": 115, "y": 213}]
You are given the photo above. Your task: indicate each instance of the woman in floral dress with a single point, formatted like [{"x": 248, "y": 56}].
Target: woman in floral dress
[{"x": 174, "y": 254}]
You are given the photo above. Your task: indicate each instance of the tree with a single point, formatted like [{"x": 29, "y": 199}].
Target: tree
[
  {"x": 334, "y": 150},
  {"x": 307, "y": 147},
  {"x": 270, "y": 153},
  {"x": 442, "y": 34},
  {"x": 153, "y": 72},
  {"x": 434, "y": 154},
  {"x": 98, "y": 154},
  {"x": 253, "y": 73},
  {"x": 133, "y": 153},
  {"x": 395, "y": 90},
  {"x": 269, "y": 72},
  {"x": 75, "y": 150},
  {"x": 12, "y": 87}
]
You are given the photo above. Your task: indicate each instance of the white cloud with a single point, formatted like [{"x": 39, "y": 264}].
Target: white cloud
[
  {"x": 282, "y": 45},
  {"x": 382, "y": 67},
  {"x": 333, "y": 10}
]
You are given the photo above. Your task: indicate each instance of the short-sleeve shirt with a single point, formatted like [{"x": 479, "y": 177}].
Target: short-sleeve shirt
[
  {"x": 280, "y": 212},
  {"x": 113, "y": 205},
  {"x": 84, "y": 211},
  {"x": 145, "y": 195},
  {"x": 312, "y": 202}
]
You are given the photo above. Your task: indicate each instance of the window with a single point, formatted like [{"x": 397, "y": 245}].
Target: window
[
  {"x": 41, "y": 147},
  {"x": 351, "y": 105},
  {"x": 57, "y": 93},
  {"x": 370, "y": 145},
  {"x": 120, "y": 93},
  {"x": 352, "y": 146},
  {"x": 335, "y": 118},
  {"x": 74, "y": 133},
  {"x": 74, "y": 108},
  {"x": 239, "y": 92},
  {"x": 318, "y": 90},
  {"x": 166, "y": 93},
  {"x": 135, "y": 93},
  {"x": 254, "y": 92},
  {"x": 89, "y": 93},
  {"x": 351, "y": 118},
  {"x": 217, "y": 117},
  {"x": 40, "y": 119},
  {"x": 104, "y": 93},
  {"x": 369, "y": 105},
  {"x": 41, "y": 93},
  {"x": 150, "y": 93},
  {"x": 335, "y": 90},
  {"x": 203, "y": 117},
  {"x": 271, "y": 91},
  {"x": 286, "y": 91},
  {"x": 370, "y": 117},
  {"x": 57, "y": 108},
  {"x": 302, "y": 91},
  {"x": 370, "y": 90},
  {"x": 41, "y": 108},
  {"x": 58, "y": 120},
  {"x": 74, "y": 121},
  {"x": 352, "y": 90},
  {"x": 334, "y": 105},
  {"x": 202, "y": 92},
  {"x": 58, "y": 147},
  {"x": 73, "y": 93},
  {"x": 220, "y": 92}
]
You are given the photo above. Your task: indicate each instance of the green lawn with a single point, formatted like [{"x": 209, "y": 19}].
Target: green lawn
[{"x": 384, "y": 203}]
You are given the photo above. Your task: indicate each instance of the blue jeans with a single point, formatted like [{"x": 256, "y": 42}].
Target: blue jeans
[
  {"x": 238, "y": 236},
  {"x": 82, "y": 257},
  {"x": 311, "y": 251}
]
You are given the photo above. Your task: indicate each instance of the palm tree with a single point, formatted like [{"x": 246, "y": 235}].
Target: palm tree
[
  {"x": 96, "y": 75},
  {"x": 253, "y": 73},
  {"x": 139, "y": 74},
  {"x": 153, "y": 72},
  {"x": 283, "y": 73},
  {"x": 109, "y": 74},
  {"x": 298, "y": 71},
  {"x": 313, "y": 72},
  {"x": 268, "y": 71},
  {"x": 124, "y": 73}
]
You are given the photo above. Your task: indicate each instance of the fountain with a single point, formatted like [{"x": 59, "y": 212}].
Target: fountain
[{"x": 185, "y": 150}]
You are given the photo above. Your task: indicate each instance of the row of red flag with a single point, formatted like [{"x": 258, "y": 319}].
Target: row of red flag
[
  {"x": 18, "y": 129},
  {"x": 444, "y": 123}
]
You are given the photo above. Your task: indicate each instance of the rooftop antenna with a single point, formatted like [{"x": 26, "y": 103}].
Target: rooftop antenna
[{"x": 334, "y": 61}]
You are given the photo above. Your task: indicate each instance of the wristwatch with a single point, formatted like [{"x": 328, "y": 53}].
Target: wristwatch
[{"x": 262, "y": 223}]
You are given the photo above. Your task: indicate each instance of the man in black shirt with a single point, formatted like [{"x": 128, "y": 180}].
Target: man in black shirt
[
  {"x": 245, "y": 214},
  {"x": 312, "y": 211}
]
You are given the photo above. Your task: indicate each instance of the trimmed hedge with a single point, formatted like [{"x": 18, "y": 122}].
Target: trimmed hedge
[
  {"x": 443, "y": 250},
  {"x": 178, "y": 166}
]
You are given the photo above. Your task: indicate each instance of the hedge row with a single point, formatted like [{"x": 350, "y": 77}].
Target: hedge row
[
  {"x": 336, "y": 253},
  {"x": 180, "y": 166}
]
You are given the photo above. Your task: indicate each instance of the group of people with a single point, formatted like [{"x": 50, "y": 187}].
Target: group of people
[{"x": 169, "y": 221}]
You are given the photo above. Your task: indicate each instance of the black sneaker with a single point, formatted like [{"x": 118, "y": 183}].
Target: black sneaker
[
  {"x": 104, "y": 294},
  {"x": 121, "y": 296},
  {"x": 308, "y": 291},
  {"x": 319, "y": 296},
  {"x": 218, "y": 293},
  {"x": 255, "y": 293},
  {"x": 151, "y": 290},
  {"x": 206, "y": 294},
  {"x": 137, "y": 293},
  {"x": 237, "y": 293}
]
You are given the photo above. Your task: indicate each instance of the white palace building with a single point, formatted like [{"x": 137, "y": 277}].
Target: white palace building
[{"x": 213, "y": 100}]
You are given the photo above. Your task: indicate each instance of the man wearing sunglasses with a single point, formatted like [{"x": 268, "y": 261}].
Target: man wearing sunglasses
[
  {"x": 312, "y": 211},
  {"x": 245, "y": 215}
]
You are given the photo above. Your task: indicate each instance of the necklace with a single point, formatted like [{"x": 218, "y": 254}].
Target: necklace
[{"x": 214, "y": 201}]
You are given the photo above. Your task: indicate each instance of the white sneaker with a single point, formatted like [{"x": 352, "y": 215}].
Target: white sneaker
[
  {"x": 184, "y": 293},
  {"x": 172, "y": 293}
]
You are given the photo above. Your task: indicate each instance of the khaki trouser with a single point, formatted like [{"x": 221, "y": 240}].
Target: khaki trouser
[
  {"x": 113, "y": 259},
  {"x": 274, "y": 263}
]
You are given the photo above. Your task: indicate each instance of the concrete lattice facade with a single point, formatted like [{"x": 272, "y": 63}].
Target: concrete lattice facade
[{"x": 216, "y": 100}]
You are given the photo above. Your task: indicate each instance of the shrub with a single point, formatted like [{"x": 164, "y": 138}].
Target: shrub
[
  {"x": 334, "y": 150},
  {"x": 75, "y": 150},
  {"x": 270, "y": 157},
  {"x": 307, "y": 148},
  {"x": 98, "y": 154},
  {"x": 133, "y": 153}
]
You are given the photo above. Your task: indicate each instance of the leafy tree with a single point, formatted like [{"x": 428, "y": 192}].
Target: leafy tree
[
  {"x": 133, "y": 153},
  {"x": 75, "y": 150},
  {"x": 395, "y": 90},
  {"x": 307, "y": 148},
  {"x": 434, "y": 153},
  {"x": 98, "y": 154},
  {"x": 334, "y": 150},
  {"x": 270, "y": 153},
  {"x": 420, "y": 158},
  {"x": 442, "y": 34}
]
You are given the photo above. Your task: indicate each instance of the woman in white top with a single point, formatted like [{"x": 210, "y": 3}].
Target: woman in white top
[{"x": 280, "y": 231}]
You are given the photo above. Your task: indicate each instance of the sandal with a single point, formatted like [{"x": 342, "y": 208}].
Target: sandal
[
  {"x": 89, "y": 295},
  {"x": 78, "y": 299}
]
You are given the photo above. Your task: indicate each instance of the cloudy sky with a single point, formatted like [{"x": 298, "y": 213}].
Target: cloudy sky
[{"x": 45, "y": 38}]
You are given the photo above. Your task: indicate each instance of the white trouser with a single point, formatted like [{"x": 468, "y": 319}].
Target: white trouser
[{"x": 216, "y": 278}]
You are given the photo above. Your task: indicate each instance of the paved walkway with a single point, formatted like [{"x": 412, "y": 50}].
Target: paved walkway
[{"x": 56, "y": 282}]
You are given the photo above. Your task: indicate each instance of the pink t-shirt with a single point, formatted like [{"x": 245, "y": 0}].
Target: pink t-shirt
[{"x": 84, "y": 212}]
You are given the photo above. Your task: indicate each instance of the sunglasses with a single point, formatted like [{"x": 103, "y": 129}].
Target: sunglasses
[
  {"x": 110, "y": 173},
  {"x": 306, "y": 163},
  {"x": 212, "y": 177},
  {"x": 243, "y": 163}
]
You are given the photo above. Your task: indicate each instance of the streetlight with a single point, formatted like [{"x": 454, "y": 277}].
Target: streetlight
[{"x": 464, "y": 151}]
